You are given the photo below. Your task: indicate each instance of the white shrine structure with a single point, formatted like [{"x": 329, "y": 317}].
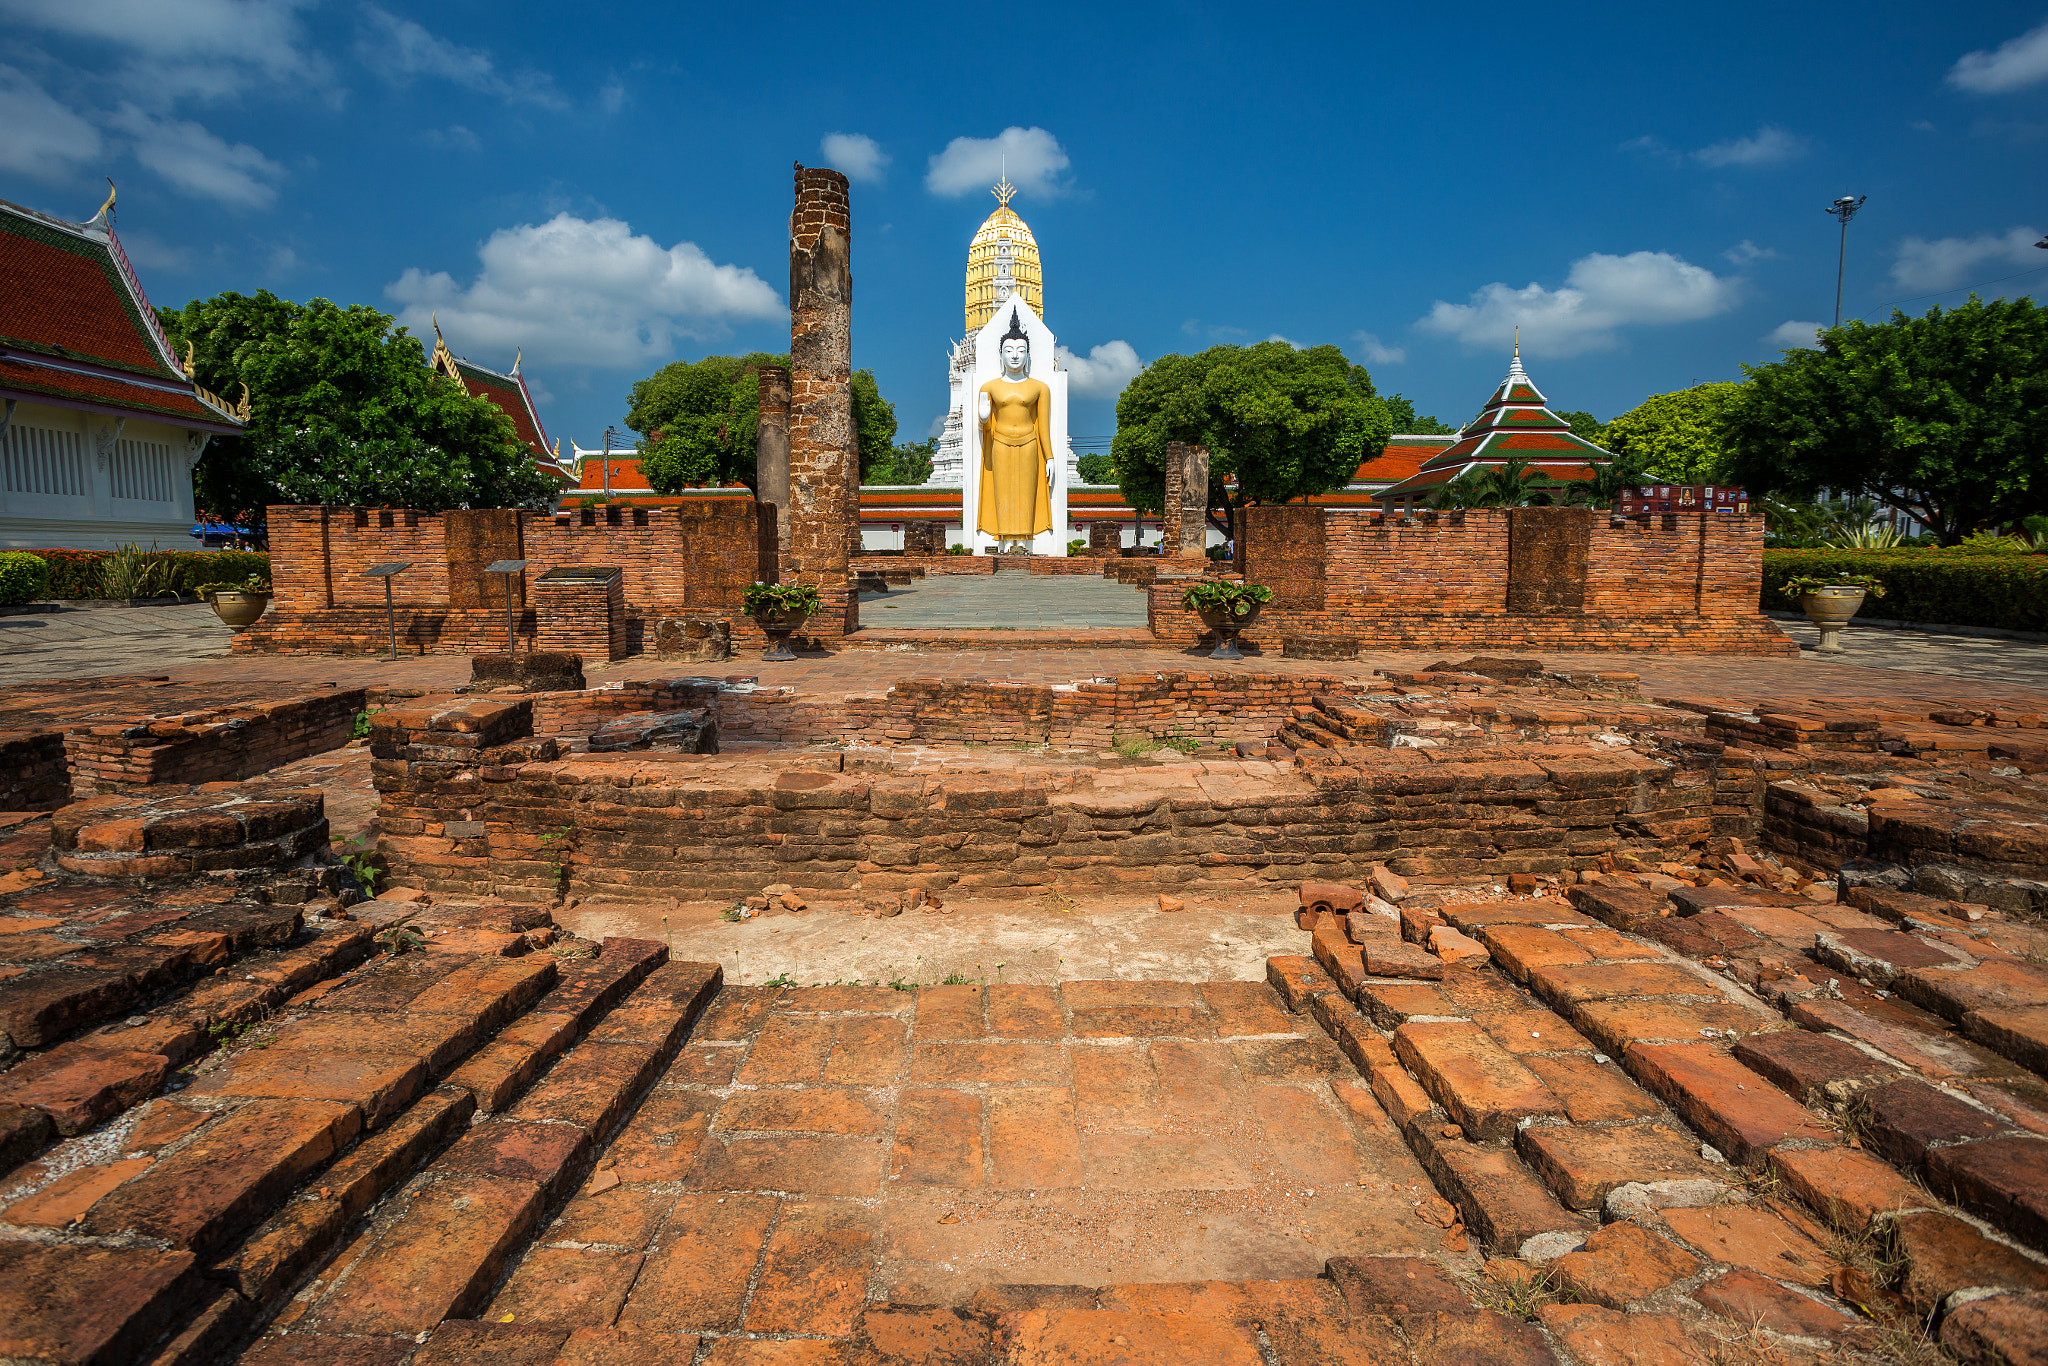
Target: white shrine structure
[{"x": 1003, "y": 277}]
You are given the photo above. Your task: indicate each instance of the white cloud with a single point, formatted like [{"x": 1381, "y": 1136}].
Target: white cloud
[
  {"x": 1745, "y": 251},
  {"x": 282, "y": 261},
  {"x": 198, "y": 162},
  {"x": 577, "y": 291},
  {"x": 147, "y": 251},
  {"x": 1031, "y": 157},
  {"x": 611, "y": 96},
  {"x": 857, "y": 154},
  {"x": 453, "y": 136},
  {"x": 400, "y": 49},
  {"x": 1950, "y": 261},
  {"x": 43, "y": 138},
  {"x": 2018, "y": 62},
  {"x": 1377, "y": 352},
  {"x": 1768, "y": 146},
  {"x": 1103, "y": 372},
  {"x": 1794, "y": 334},
  {"x": 1601, "y": 294},
  {"x": 938, "y": 427},
  {"x": 260, "y": 33},
  {"x": 1289, "y": 340}
]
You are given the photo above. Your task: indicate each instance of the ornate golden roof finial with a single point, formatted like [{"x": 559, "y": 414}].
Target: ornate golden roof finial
[
  {"x": 108, "y": 207},
  {"x": 1003, "y": 190},
  {"x": 1518, "y": 341},
  {"x": 515, "y": 359},
  {"x": 435, "y": 318},
  {"x": 188, "y": 359}
]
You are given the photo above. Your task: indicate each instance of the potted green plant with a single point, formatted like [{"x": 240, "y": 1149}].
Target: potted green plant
[
  {"x": 238, "y": 604},
  {"x": 779, "y": 609},
  {"x": 1226, "y": 608},
  {"x": 1829, "y": 600}
]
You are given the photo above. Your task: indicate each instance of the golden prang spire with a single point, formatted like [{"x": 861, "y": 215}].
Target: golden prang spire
[
  {"x": 1002, "y": 262},
  {"x": 1003, "y": 190}
]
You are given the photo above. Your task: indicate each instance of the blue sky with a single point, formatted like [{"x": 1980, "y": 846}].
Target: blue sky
[{"x": 1639, "y": 187}]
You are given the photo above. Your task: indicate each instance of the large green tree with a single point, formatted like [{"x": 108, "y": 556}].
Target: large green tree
[
  {"x": 343, "y": 410},
  {"x": 1585, "y": 426},
  {"x": 1677, "y": 436},
  {"x": 1407, "y": 422},
  {"x": 1286, "y": 423},
  {"x": 1943, "y": 416},
  {"x": 910, "y": 462},
  {"x": 699, "y": 420}
]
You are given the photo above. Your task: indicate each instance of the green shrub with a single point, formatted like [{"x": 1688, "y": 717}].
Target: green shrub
[
  {"x": 1952, "y": 586},
  {"x": 79, "y": 573},
  {"x": 24, "y": 576}
]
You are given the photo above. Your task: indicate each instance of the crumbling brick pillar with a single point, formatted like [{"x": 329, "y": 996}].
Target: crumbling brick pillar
[
  {"x": 824, "y": 457},
  {"x": 924, "y": 538},
  {"x": 1185, "y": 532},
  {"x": 771, "y": 450}
]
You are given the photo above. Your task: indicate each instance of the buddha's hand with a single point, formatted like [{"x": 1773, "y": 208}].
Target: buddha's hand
[{"x": 985, "y": 407}]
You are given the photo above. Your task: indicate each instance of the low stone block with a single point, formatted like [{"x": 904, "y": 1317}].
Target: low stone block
[
  {"x": 1848, "y": 1187},
  {"x": 1999, "y": 1331},
  {"x": 1583, "y": 1165},
  {"x": 1748, "y": 1298},
  {"x": 1622, "y": 1263},
  {"x": 1394, "y": 958},
  {"x": 1597, "y": 1336},
  {"x": 1943, "y": 1254},
  {"x": 1737, "y": 1111},
  {"x": 94, "y": 1306},
  {"x": 1395, "y": 1286},
  {"x": 1753, "y": 1236},
  {"x": 2003, "y": 1179},
  {"x": 1810, "y": 1067},
  {"x": 1503, "y": 1203},
  {"x": 1480, "y": 1084},
  {"x": 1903, "y": 1120},
  {"x": 78, "y": 1086}
]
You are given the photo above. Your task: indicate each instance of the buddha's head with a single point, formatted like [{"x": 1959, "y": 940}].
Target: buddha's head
[{"x": 1016, "y": 350}]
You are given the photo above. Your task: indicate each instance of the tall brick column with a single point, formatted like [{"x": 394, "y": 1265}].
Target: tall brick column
[
  {"x": 824, "y": 457},
  {"x": 1184, "y": 534},
  {"x": 771, "y": 450}
]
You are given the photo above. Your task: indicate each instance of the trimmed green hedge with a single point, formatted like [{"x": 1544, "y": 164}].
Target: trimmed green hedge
[
  {"x": 76, "y": 573},
  {"x": 23, "y": 576},
  {"x": 1941, "y": 586}
]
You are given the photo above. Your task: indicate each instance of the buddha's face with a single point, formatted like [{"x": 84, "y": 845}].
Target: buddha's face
[{"x": 1016, "y": 355}]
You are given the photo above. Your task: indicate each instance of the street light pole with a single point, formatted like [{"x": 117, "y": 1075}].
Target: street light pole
[{"x": 1844, "y": 209}]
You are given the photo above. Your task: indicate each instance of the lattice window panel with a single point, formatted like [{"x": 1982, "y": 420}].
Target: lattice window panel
[{"x": 43, "y": 460}]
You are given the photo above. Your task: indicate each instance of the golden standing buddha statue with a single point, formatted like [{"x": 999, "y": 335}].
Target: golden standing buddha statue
[{"x": 1016, "y": 443}]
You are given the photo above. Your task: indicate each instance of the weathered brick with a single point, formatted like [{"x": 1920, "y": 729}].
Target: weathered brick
[
  {"x": 1737, "y": 1111},
  {"x": 1622, "y": 1263},
  {"x": 1482, "y": 1086}
]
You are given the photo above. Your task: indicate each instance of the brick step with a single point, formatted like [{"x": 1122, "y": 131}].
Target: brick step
[
  {"x": 1514, "y": 1114},
  {"x": 351, "y": 1054},
  {"x": 110, "y": 994},
  {"x": 1925, "y": 1040},
  {"x": 539, "y": 1102}
]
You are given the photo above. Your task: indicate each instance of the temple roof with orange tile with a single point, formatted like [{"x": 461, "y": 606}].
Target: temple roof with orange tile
[{"x": 77, "y": 331}]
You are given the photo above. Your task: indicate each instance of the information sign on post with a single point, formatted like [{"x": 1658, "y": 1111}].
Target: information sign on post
[
  {"x": 508, "y": 568},
  {"x": 387, "y": 572}
]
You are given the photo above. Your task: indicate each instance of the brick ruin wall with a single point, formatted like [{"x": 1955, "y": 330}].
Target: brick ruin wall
[
  {"x": 471, "y": 803},
  {"x": 690, "y": 560},
  {"x": 48, "y": 768},
  {"x": 1089, "y": 715},
  {"x": 1523, "y": 578},
  {"x": 930, "y": 564}
]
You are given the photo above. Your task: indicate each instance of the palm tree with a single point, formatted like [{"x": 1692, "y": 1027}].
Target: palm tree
[
  {"x": 1493, "y": 486},
  {"x": 1604, "y": 488}
]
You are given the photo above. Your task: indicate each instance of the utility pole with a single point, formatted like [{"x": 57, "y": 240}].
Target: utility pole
[
  {"x": 610, "y": 431},
  {"x": 1844, "y": 209}
]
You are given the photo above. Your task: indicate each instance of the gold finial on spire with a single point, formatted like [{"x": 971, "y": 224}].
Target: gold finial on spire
[
  {"x": 515, "y": 359},
  {"x": 1003, "y": 191},
  {"x": 108, "y": 207},
  {"x": 435, "y": 318},
  {"x": 1518, "y": 342}
]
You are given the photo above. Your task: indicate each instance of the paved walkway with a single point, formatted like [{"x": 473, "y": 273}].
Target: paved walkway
[
  {"x": 972, "y": 602},
  {"x": 82, "y": 641},
  {"x": 189, "y": 644}
]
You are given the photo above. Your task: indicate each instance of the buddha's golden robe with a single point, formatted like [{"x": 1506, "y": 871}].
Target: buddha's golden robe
[{"x": 1016, "y": 441}]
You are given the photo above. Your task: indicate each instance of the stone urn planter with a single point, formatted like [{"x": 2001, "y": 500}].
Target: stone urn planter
[
  {"x": 1830, "y": 610},
  {"x": 1227, "y": 624},
  {"x": 778, "y": 625},
  {"x": 238, "y": 610}
]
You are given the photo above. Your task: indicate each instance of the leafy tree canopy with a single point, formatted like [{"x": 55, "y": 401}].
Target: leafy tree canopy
[
  {"x": 1287, "y": 423},
  {"x": 343, "y": 410},
  {"x": 1407, "y": 423},
  {"x": 1677, "y": 436},
  {"x": 700, "y": 421},
  {"x": 1096, "y": 468},
  {"x": 1585, "y": 426},
  {"x": 1944, "y": 416},
  {"x": 908, "y": 463}
]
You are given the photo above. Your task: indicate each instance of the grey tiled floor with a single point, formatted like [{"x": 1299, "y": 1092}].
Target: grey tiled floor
[
  {"x": 107, "y": 640},
  {"x": 985, "y": 601}
]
